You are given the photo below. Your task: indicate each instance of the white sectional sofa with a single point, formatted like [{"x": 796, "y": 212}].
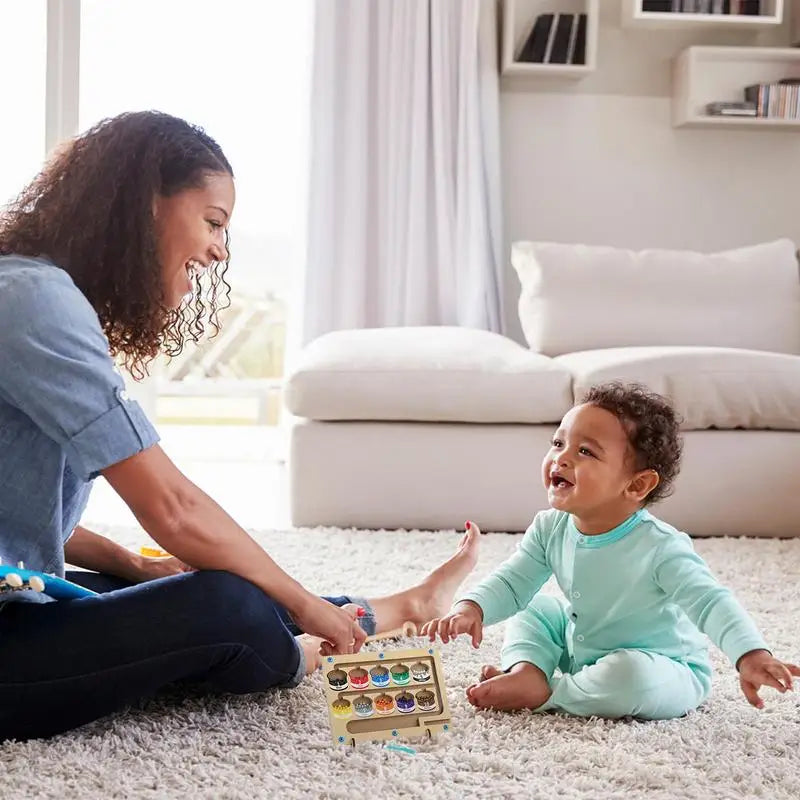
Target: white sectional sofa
[{"x": 427, "y": 427}]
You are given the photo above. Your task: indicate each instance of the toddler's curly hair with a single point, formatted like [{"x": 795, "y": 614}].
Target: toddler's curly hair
[{"x": 652, "y": 427}]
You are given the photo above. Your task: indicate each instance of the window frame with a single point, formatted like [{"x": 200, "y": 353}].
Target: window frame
[
  {"x": 62, "y": 91},
  {"x": 62, "y": 122}
]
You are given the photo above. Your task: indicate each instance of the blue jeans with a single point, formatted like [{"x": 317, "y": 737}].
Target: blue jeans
[{"x": 70, "y": 662}]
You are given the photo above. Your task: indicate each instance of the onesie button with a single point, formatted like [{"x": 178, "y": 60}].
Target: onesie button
[
  {"x": 581, "y": 540},
  {"x": 579, "y": 637},
  {"x": 576, "y": 595}
]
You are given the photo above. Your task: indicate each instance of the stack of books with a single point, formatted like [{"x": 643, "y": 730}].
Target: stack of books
[
  {"x": 724, "y": 109},
  {"x": 736, "y": 7},
  {"x": 556, "y": 39}
]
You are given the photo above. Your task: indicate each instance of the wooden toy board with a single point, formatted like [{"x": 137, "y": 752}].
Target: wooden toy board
[{"x": 359, "y": 709}]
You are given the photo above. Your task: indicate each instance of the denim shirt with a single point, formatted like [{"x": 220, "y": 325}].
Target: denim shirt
[{"x": 64, "y": 412}]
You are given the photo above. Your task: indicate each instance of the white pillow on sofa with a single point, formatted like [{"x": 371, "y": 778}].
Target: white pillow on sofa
[
  {"x": 581, "y": 297},
  {"x": 710, "y": 387}
]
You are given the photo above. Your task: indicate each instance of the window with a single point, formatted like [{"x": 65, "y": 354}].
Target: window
[
  {"x": 23, "y": 62},
  {"x": 241, "y": 71}
]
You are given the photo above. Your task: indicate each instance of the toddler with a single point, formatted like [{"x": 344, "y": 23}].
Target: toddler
[{"x": 628, "y": 642}]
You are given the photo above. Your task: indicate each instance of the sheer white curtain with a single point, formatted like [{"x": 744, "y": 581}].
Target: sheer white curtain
[{"x": 404, "y": 189}]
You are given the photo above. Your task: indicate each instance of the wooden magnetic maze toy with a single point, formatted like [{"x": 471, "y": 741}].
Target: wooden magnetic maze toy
[{"x": 385, "y": 695}]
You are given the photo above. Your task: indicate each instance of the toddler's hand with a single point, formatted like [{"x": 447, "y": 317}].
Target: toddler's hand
[
  {"x": 759, "y": 668},
  {"x": 465, "y": 617}
]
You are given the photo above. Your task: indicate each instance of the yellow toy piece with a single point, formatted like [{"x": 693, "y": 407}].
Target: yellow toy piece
[
  {"x": 385, "y": 695},
  {"x": 154, "y": 552}
]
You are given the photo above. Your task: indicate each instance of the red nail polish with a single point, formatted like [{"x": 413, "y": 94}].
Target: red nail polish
[
  {"x": 467, "y": 524},
  {"x": 361, "y": 612}
]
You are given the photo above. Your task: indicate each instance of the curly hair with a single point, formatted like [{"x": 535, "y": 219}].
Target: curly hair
[
  {"x": 90, "y": 211},
  {"x": 652, "y": 427}
]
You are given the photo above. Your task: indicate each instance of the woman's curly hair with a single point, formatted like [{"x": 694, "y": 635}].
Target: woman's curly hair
[
  {"x": 90, "y": 211},
  {"x": 652, "y": 427}
]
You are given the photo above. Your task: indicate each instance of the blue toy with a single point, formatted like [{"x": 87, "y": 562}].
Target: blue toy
[{"x": 19, "y": 579}]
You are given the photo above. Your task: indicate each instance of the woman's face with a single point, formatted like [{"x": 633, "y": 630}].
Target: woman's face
[{"x": 190, "y": 233}]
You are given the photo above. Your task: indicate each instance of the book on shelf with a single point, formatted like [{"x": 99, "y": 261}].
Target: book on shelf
[
  {"x": 536, "y": 44},
  {"x": 556, "y": 39},
  {"x": 731, "y": 7},
  {"x": 750, "y": 7},
  {"x": 579, "y": 54},
  {"x": 560, "y": 49},
  {"x": 573, "y": 40}
]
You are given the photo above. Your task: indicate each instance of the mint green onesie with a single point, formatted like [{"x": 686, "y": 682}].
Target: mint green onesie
[{"x": 627, "y": 643}]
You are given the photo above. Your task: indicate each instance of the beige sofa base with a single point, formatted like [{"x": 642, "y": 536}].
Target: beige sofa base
[{"x": 437, "y": 475}]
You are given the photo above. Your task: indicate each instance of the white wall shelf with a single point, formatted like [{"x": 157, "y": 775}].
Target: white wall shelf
[
  {"x": 634, "y": 16},
  {"x": 517, "y": 22},
  {"x": 703, "y": 75}
]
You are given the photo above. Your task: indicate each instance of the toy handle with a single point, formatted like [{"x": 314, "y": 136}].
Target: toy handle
[{"x": 19, "y": 579}]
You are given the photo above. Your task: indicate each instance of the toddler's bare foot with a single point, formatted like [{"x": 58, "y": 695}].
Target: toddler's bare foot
[{"x": 525, "y": 686}]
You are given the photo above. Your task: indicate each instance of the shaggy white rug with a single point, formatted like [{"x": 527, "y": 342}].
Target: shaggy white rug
[{"x": 278, "y": 745}]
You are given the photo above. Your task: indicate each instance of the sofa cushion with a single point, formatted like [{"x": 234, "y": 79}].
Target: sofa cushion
[
  {"x": 711, "y": 387},
  {"x": 426, "y": 374},
  {"x": 577, "y": 297}
]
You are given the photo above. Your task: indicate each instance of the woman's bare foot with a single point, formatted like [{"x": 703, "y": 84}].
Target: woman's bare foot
[
  {"x": 434, "y": 595},
  {"x": 525, "y": 686},
  {"x": 310, "y": 646}
]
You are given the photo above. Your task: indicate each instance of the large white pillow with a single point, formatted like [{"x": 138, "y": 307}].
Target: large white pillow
[
  {"x": 426, "y": 374},
  {"x": 581, "y": 297},
  {"x": 710, "y": 387}
]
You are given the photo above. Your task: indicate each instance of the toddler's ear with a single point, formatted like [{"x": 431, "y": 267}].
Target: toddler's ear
[{"x": 641, "y": 484}]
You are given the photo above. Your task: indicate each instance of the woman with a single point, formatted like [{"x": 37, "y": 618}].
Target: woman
[{"x": 119, "y": 248}]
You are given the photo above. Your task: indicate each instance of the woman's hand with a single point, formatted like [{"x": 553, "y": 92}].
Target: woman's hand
[
  {"x": 465, "y": 617},
  {"x": 99, "y": 554},
  {"x": 149, "y": 569},
  {"x": 338, "y": 627},
  {"x": 759, "y": 668}
]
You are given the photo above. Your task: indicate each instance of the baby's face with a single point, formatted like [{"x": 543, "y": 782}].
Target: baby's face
[{"x": 589, "y": 464}]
